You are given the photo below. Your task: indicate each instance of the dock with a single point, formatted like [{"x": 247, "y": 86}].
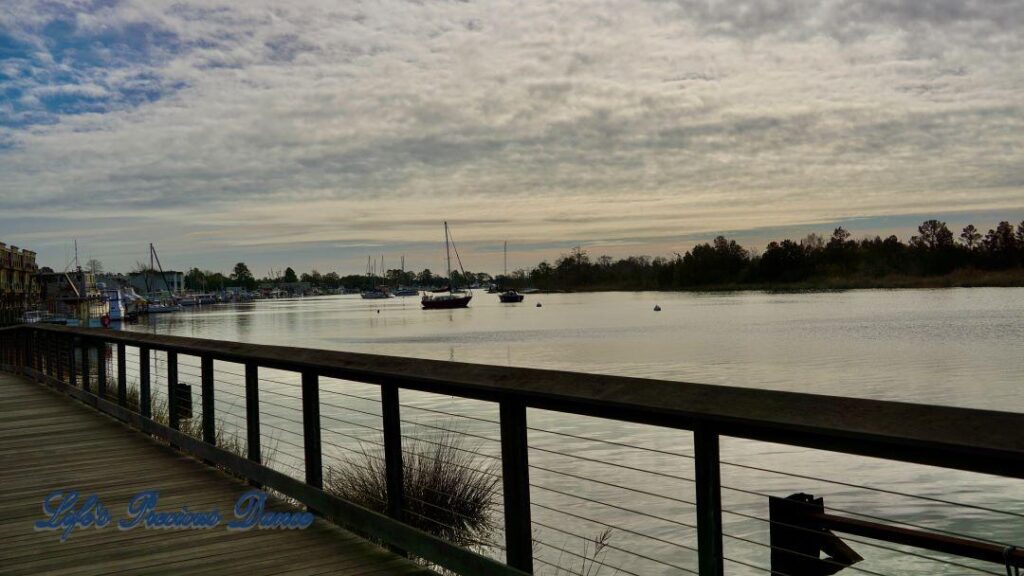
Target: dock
[{"x": 50, "y": 442}]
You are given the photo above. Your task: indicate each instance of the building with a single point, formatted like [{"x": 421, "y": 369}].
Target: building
[
  {"x": 18, "y": 288},
  {"x": 73, "y": 294},
  {"x": 157, "y": 282}
]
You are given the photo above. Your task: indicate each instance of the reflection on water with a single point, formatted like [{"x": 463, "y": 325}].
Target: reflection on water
[{"x": 955, "y": 347}]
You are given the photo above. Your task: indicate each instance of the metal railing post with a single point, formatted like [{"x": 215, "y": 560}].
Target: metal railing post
[
  {"x": 515, "y": 474},
  {"x": 122, "y": 376},
  {"x": 209, "y": 430},
  {"x": 22, "y": 352},
  {"x": 85, "y": 365},
  {"x": 30, "y": 360},
  {"x": 252, "y": 411},
  {"x": 101, "y": 369},
  {"x": 72, "y": 364},
  {"x": 311, "y": 429},
  {"x": 58, "y": 356},
  {"x": 145, "y": 401},
  {"x": 37, "y": 354},
  {"x": 51, "y": 355},
  {"x": 709, "y": 502},
  {"x": 173, "y": 416},
  {"x": 391, "y": 416}
]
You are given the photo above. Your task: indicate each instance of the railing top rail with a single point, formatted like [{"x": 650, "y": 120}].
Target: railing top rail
[{"x": 969, "y": 439}]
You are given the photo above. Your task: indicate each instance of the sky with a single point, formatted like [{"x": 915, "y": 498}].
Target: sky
[{"x": 314, "y": 133}]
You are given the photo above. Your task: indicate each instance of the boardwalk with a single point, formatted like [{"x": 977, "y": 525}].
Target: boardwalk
[{"x": 49, "y": 442}]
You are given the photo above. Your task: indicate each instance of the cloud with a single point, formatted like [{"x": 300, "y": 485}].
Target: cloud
[{"x": 258, "y": 125}]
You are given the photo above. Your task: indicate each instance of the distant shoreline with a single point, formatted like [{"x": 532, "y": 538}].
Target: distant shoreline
[{"x": 958, "y": 279}]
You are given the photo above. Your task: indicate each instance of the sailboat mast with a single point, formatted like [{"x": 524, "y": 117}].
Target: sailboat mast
[
  {"x": 506, "y": 259},
  {"x": 448, "y": 254}
]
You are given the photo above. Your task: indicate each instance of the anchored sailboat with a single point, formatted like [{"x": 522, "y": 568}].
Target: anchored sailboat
[
  {"x": 450, "y": 296},
  {"x": 380, "y": 291},
  {"x": 509, "y": 296}
]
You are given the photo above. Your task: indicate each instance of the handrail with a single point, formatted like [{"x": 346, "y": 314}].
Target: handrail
[
  {"x": 983, "y": 441},
  {"x": 961, "y": 438}
]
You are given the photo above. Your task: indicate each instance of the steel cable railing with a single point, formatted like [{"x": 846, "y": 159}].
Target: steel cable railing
[
  {"x": 342, "y": 421},
  {"x": 333, "y": 417}
]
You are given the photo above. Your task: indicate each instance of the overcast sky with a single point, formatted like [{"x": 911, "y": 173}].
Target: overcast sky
[{"x": 314, "y": 133}]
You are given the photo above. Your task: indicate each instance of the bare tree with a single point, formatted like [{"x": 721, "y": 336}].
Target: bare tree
[{"x": 94, "y": 266}]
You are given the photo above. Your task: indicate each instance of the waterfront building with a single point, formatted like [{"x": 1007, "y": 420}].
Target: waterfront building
[
  {"x": 73, "y": 295},
  {"x": 18, "y": 287}
]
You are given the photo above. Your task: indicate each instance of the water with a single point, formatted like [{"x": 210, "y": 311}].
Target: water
[{"x": 958, "y": 347}]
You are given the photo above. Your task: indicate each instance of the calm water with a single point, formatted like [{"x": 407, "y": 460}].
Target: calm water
[{"x": 953, "y": 347}]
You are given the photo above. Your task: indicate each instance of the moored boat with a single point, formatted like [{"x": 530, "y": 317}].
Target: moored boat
[
  {"x": 376, "y": 294},
  {"x": 449, "y": 297},
  {"x": 510, "y": 296},
  {"x": 454, "y": 299}
]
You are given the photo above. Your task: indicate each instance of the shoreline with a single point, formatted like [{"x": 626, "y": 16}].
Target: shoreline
[{"x": 956, "y": 279}]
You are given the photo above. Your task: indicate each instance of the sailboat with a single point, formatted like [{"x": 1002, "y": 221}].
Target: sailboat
[
  {"x": 450, "y": 296},
  {"x": 404, "y": 290},
  {"x": 509, "y": 296},
  {"x": 378, "y": 292}
]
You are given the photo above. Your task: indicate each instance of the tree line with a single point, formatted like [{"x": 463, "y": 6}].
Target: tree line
[
  {"x": 934, "y": 251},
  {"x": 241, "y": 276}
]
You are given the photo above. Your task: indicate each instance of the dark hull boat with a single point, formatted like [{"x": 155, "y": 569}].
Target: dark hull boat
[
  {"x": 445, "y": 301},
  {"x": 448, "y": 297},
  {"x": 510, "y": 297}
]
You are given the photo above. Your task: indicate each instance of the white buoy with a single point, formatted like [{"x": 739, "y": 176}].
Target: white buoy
[{"x": 657, "y": 308}]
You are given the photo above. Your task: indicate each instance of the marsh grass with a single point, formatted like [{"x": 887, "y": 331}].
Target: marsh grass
[
  {"x": 450, "y": 491},
  {"x": 588, "y": 562},
  {"x": 231, "y": 441}
]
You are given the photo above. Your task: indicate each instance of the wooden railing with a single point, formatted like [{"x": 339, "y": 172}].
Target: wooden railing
[{"x": 957, "y": 438}]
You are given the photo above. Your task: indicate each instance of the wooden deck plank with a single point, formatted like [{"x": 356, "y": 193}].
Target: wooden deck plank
[{"x": 49, "y": 441}]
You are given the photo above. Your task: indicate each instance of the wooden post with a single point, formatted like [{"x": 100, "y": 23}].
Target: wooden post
[
  {"x": 311, "y": 429},
  {"x": 172, "y": 390},
  {"x": 209, "y": 430},
  {"x": 252, "y": 411},
  {"x": 145, "y": 402},
  {"x": 122, "y": 376},
  {"x": 515, "y": 473},
  {"x": 709, "y": 503},
  {"x": 393, "y": 464}
]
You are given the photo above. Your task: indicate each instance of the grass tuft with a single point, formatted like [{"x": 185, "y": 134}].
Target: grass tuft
[{"x": 450, "y": 492}]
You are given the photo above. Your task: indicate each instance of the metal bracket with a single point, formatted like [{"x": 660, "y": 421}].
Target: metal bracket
[{"x": 797, "y": 539}]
